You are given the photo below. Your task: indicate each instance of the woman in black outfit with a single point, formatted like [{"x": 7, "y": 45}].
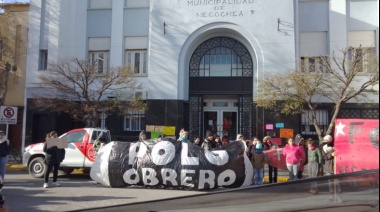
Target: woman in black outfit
[{"x": 53, "y": 158}]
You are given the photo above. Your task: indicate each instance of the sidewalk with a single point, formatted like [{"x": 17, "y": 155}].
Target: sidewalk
[
  {"x": 11, "y": 165},
  {"x": 14, "y": 165},
  {"x": 282, "y": 175}
]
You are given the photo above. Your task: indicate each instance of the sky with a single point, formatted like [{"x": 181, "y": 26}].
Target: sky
[{"x": 10, "y": 1}]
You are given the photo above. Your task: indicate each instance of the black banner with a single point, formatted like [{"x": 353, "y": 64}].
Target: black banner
[{"x": 172, "y": 164}]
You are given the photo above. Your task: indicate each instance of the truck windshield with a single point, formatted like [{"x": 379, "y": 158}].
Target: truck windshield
[{"x": 74, "y": 137}]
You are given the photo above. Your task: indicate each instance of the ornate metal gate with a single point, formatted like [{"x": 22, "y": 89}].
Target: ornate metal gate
[
  {"x": 246, "y": 116},
  {"x": 195, "y": 116}
]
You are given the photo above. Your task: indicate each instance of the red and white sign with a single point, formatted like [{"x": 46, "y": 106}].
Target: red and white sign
[
  {"x": 356, "y": 142},
  {"x": 8, "y": 115}
]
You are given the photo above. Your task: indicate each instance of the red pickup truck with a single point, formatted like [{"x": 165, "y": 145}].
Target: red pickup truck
[{"x": 79, "y": 153}]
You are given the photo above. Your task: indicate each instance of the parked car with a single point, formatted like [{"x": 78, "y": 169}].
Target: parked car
[{"x": 79, "y": 153}]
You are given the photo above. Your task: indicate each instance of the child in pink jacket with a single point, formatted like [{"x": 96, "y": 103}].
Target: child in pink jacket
[{"x": 294, "y": 156}]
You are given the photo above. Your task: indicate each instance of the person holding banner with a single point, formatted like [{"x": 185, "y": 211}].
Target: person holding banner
[
  {"x": 4, "y": 152},
  {"x": 183, "y": 136},
  {"x": 273, "y": 171},
  {"x": 258, "y": 161},
  {"x": 142, "y": 136},
  {"x": 294, "y": 156},
  {"x": 299, "y": 140},
  {"x": 225, "y": 141},
  {"x": 314, "y": 161},
  {"x": 53, "y": 158},
  {"x": 100, "y": 142},
  {"x": 241, "y": 138},
  {"x": 197, "y": 141},
  {"x": 208, "y": 143},
  {"x": 218, "y": 141},
  {"x": 328, "y": 154}
]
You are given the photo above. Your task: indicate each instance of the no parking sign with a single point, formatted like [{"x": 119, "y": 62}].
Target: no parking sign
[{"x": 8, "y": 115}]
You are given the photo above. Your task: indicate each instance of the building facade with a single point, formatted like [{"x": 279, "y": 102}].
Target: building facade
[
  {"x": 14, "y": 23},
  {"x": 199, "y": 61}
]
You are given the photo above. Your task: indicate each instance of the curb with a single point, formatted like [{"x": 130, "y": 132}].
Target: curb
[
  {"x": 279, "y": 179},
  {"x": 15, "y": 166},
  {"x": 20, "y": 167}
]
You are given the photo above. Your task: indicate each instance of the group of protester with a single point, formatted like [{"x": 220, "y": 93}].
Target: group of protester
[
  {"x": 299, "y": 154},
  {"x": 211, "y": 141}
]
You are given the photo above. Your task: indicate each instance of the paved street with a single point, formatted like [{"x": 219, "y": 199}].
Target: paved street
[
  {"x": 283, "y": 197},
  {"x": 24, "y": 193},
  {"x": 78, "y": 192}
]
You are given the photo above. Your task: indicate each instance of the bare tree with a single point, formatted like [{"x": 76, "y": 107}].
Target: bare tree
[
  {"x": 7, "y": 55},
  {"x": 86, "y": 94},
  {"x": 352, "y": 76}
]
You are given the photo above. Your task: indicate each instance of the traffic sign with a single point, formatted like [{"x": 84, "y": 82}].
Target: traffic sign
[{"x": 8, "y": 115}]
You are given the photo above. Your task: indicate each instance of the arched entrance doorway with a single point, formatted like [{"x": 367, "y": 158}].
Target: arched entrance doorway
[{"x": 220, "y": 88}]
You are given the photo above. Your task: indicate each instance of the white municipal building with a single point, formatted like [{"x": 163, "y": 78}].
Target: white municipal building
[{"x": 199, "y": 61}]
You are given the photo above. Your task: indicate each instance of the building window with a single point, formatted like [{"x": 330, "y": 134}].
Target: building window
[
  {"x": 312, "y": 64},
  {"x": 99, "y": 4},
  {"x": 138, "y": 95},
  {"x": 220, "y": 104},
  {"x": 134, "y": 120},
  {"x": 221, "y": 57},
  {"x": 43, "y": 59},
  {"x": 137, "y": 61},
  {"x": 221, "y": 61},
  {"x": 136, "y": 3},
  {"x": 367, "y": 64},
  {"x": 100, "y": 61},
  {"x": 307, "y": 126},
  {"x": 102, "y": 121}
]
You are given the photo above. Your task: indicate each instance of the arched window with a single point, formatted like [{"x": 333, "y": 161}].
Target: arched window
[{"x": 221, "y": 57}]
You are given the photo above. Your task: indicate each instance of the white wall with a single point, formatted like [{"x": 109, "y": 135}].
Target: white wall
[
  {"x": 259, "y": 20},
  {"x": 266, "y": 28},
  {"x": 65, "y": 34}
]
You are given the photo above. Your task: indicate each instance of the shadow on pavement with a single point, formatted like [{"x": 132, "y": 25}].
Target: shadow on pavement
[{"x": 357, "y": 191}]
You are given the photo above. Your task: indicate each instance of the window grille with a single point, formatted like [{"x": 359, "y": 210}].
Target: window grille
[
  {"x": 307, "y": 126},
  {"x": 221, "y": 57},
  {"x": 195, "y": 116},
  {"x": 246, "y": 114},
  {"x": 312, "y": 64},
  {"x": 359, "y": 113}
]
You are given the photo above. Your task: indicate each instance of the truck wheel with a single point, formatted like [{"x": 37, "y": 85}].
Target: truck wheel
[{"x": 37, "y": 168}]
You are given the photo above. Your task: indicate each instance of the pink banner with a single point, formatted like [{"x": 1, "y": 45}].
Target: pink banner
[{"x": 356, "y": 144}]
